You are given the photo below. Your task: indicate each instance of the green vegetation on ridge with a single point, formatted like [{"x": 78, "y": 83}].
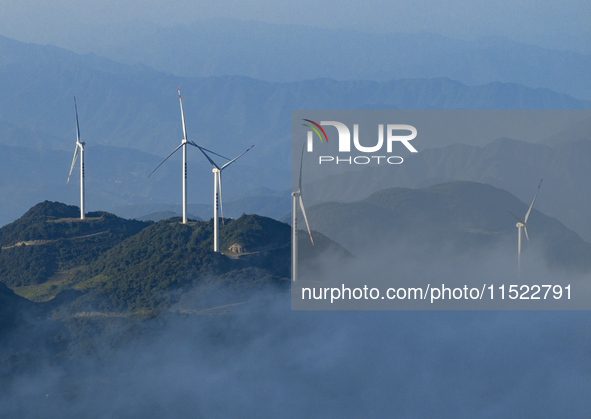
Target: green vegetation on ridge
[
  {"x": 147, "y": 271},
  {"x": 107, "y": 264},
  {"x": 50, "y": 238}
]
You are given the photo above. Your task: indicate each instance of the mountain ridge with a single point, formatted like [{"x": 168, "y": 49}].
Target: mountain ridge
[
  {"x": 514, "y": 165},
  {"x": 124, "y": 107},
  {"x": 466, "y": 215},
  {"x": 289, "y": 52},
  {"x": 102, "y": 260}
]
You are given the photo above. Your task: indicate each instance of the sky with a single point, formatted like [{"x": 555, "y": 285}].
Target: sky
[{"x": 561, "y": 25}]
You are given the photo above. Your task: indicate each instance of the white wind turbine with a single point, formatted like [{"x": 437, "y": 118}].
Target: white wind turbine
[
  {"x": 79, "y": 147},
  {"x": 523, "y": 225},
  {"x": 295, "y": 197},
  {"x": 217, "y": 189},
  {"x": 184, "y": 143}
]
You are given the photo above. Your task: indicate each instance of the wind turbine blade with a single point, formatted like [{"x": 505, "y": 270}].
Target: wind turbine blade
[
  {"x": 306, "y": 219},
  {"x": 73, "y": 162},
  {"x": 532, "y": 202},
  {"x": 301, "y": 164},
  {"x": 525, "y": 229},
  {"x": 182, "y": 116},
  {"x": 77, "y": 125},
  {"x": 165, "y": 159},
  {"x": 236, "y": 158},
  {"x": 516, "y": 217},
  {"x": 213, "y": 152},
  {"x": 205, "y": 154},
  {"x": 220, "y": 196}
]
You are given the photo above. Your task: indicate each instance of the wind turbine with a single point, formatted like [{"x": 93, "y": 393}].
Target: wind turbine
[
  {"x": 523, "y": 225},
  {"x": 217, "y": 189},
  {"x": 295, "y": 197},
  {"x": 184, "y": 143},
  {"x": 79, "y": 146}
]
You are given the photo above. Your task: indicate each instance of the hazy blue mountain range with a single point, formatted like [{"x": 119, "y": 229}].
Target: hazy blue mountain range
[
  {"x": 136, "y": 108},
  {"x": 118, "y": 177},
  {"x": 467, "y": 216},
  {"x": 294, "y": 53},
  {"x": 513, "y": 165},
  {"x": 578, "y": 131}
]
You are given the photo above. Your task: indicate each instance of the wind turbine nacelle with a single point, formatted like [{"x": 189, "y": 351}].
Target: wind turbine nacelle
[{"x": 520, "y": 225}]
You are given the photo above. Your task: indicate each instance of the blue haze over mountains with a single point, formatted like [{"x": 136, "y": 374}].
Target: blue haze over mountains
[
  {"x": 135, "y": 107},
  {"x": 283, "y": 53},
  {"x": 513, "y": 165}
]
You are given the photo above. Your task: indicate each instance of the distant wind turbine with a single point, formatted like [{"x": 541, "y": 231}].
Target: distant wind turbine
[
  {"x": 79, "y": 147},
  {"x": 217, "y": 189},
  {"x": 184, "y": 142},
  {"x": 523, "y": 225},
  {"x": 295, "y": 197}
]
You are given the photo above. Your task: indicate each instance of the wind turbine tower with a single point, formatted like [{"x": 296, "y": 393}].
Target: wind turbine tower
[
  {"x": 295, "y": 197},
  {"x": 522, "y": 225},
  {"x": 183, "y": 144},
  {"x": 79, "y": 148},
  {"x": 217, "y": 189}
]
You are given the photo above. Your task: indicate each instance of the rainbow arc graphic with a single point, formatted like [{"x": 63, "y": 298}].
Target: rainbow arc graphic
[{"x": 315, "y": 128}]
